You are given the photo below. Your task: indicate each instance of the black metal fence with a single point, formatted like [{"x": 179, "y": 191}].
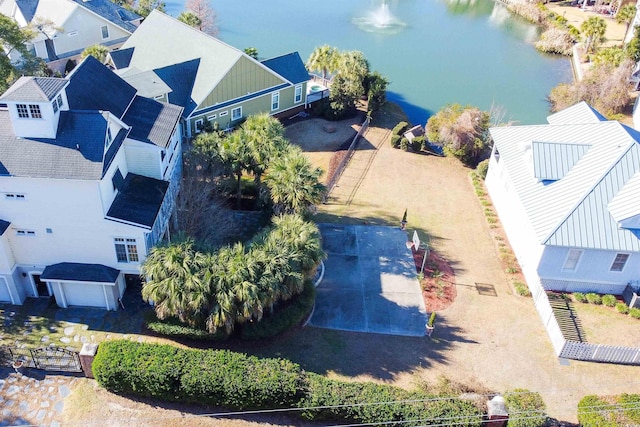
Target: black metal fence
[{"x": 45, "y": 358}]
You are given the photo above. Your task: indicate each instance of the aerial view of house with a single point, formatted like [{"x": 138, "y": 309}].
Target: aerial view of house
[
  {"x": 566, "y": 193},
  {"x": 212, "y": 81},
  {"x": 64, "y": 28},
  {"x": 89, "y": 171}
]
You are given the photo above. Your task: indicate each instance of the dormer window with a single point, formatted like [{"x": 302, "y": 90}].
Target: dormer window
[
  {"x": 54, "y": 104},
  {"x": 31, "y": 111},
  {"x": 59, "y": 99}
]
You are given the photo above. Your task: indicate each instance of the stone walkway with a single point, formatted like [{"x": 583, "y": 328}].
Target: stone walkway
[{"x": 32, "y": 398}]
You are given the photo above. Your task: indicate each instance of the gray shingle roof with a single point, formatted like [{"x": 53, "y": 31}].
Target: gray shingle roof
[
  {"x": 147, "y": 83},
  {"x": 289, "y": 66},
  {"x": 3, "y": 226},
  {"x": 60, "y": 157},
  {"x": 121, "y": 57},
  {"x": 78, "y": 272},
  {"x": 111, "y": 12},
  {"x": 95, "y": 87},
  {"x": 139, "y": 201},
  {"x": 152, "y": 121},
  {"x": 180, "y": 78},
  {"x": 34, "y": 89}
]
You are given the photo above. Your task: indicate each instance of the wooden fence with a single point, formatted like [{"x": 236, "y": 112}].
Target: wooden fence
[
  {"x": 333, "y": 180},
  {"x": 569, "y": 349}
]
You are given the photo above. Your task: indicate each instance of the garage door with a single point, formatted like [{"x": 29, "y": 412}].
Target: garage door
[
  {"x": 84, "y": 294},
  {"x": 4, "y": 291}
]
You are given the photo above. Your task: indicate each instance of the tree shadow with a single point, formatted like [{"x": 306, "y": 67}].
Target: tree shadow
[{"x": 415, "y": 113}]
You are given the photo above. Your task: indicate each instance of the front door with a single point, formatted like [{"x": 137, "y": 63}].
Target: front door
[{"x": 41, "y": 287}]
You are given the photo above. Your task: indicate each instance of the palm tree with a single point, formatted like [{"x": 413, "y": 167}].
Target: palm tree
[
  {"x": 294, "y": 183},
  {"x": 625, "y": 15},
  {"x": 302, "y": 237},
  {"x": 593, "y": 29},
  {"x": 324, "y": 58},
  {"x": 264, "y": 136},
  {"x": 235, "y": 155},
  {"x": 173, "y": 282}
]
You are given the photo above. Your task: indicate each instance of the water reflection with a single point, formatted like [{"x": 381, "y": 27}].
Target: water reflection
[{"x": 469, "y": 7}]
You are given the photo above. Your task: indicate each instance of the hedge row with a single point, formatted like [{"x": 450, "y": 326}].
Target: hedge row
[
  {"x": 612, "y": 411},
  {"x": 237, "y": 381}
]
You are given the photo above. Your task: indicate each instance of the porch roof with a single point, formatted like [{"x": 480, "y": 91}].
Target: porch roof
[
  {"x": 139, "y": 201},
  {"x": 79, "y": 272}
]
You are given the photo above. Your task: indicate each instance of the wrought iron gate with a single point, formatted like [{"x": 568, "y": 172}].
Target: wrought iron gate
[{"x": 45, "y": 358}]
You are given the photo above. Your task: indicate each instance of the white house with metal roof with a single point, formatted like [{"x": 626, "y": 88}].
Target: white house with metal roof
[
  {"x": 211, "y": 80},
  {"x": 89, "y": 173},
  {"x": 568, "y": 195},
  {"x": 64, "y": 28}
]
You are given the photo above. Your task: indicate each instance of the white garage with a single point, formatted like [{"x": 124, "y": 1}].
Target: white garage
[
  {"x": 84, "y": 285},
  {"x": 5, "y": 296}
]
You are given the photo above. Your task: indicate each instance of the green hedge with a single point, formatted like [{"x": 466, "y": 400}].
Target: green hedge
[
  {"x": 360, "y": 403},
  {"x": 400, "y": 128},
  {"x": 210, "y": 377},
  {"x": 285, "y": 317},
  {"x": 236, "y": 381},
  {"x": 595, "y": 412},
  {"x": 173, "y": 328},
  {"x": 527, "y": 408}
]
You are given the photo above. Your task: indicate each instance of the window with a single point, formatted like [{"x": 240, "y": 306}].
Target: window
[
  {"x": 72, "y": 33},
  {"x": 23, "y": 113},
  {"x": 211, "y": 118},
  {"x": 297, "y": 97},
  {"x": 59, "y": 98},
  {"x": 224, "y": 113},
  {"x": 199, "y": 125},
  {"x": 14, "y": 196},
  {"x": 35, "y": 111},
  {"x": 275, "y": 101},
  {"x": 25, "y": 233},
  {"x": 573, "y": 258},
  {"x": 236, "y": 113},
  {"x": 619, "y": 262},
  {"x": 126, "y": 250},
  {"x": 157, "y": 97},
  {"x": 117, "y": 180},
  {"x": 105, "y": 32},
  {"x": 496, "y": 154},
  {"x": 54, "y": 104}
]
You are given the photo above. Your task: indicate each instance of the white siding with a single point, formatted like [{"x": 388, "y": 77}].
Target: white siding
[
  {"x": 143, "y": 159},
  {"x": 5, "y": 295},
  {"x": 45, "y": 127},
  {"x": 107, "y": 192}
]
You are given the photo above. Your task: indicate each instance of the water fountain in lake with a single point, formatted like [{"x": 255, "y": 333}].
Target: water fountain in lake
[{"x": 380, "y": 20}]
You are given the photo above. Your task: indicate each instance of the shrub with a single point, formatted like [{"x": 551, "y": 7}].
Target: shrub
[
  {"x": 630, "y": 406},
  {"x": 622, "y": 308},
  {"x": 594, "y": 298},
  {"x": 482, "y": 169},
  {"x": 521, "y": 289},
  {"x": 404, "y": 144},
  {"x": 173, "y": 328},
  {"x": 211, "y": 377},
  {"x": 400, "y": 128},
  {"x": 284, "y": 318},
  {"x": 526, "y": 408},
  {"x": 635, "y": 313},
  {"x": 418, "y": 143},
  {"x": 579, "y": 297},
  {"x": 395, "y": 141},
  {"x": 594, "y": 412},
  {"x": 609, "y": 300}
]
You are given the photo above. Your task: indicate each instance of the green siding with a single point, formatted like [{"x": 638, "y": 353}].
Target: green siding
[
  {"x": 254, "y": 106},
  {"x": 244, "y": 77}
]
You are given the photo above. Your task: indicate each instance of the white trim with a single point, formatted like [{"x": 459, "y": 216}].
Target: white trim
[
  {"x": 13, "y": 301},
  {"x": 624, "y": 264},
  {"x": 233, "y": 110},
  {"x": 198, "y": 129},
  {"x": 106, "y": 299},
  {"x": 62, "y": 295},
  {"x": 577, "y": 262},
  {"x": 295, "y": 89},
  {"x": 223, "y": 113},
  {"x": 277, "y": 104}
]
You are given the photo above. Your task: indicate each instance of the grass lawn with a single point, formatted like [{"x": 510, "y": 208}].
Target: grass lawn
[{"x": 604, "y": 325}]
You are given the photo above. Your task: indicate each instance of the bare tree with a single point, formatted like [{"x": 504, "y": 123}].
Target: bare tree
[{"x": 204, "y": 12}]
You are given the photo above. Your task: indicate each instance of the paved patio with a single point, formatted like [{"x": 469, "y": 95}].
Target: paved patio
[{"x": 369, "y": 283}]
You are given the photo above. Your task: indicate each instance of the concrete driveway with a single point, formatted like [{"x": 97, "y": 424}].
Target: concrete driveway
[{"x": 369, "y": 283}]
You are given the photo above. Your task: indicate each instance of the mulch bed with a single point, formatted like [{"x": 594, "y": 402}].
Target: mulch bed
[{"x": 439, "y": 282}]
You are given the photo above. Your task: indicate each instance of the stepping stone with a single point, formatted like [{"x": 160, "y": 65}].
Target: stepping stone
[
  {"x": 76, "y": 338},
  {"x": 45, "y": 404},
  {"x": 41, "y": 414},
  {"x": 65, "y": 340},
  {"x": 45, "y": 338},
  {"x": 24, "y": 406},
  {"x": 83, "y": 339},
  {"x": 59, "y": 406},
  {"x": 54, "y": 424},
  {"x": 84, "y": 327},
  {"x": 13, "y": 389},
  {"x": 69, "y": 330},
  {"x": 48, "y": 381},
  {"x": 6, "y": 413},
  {"x": 64, "y": 391}
]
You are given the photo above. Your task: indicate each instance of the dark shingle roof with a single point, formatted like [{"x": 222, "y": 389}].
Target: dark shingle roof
[
  {"x": 139, "y": 201},
  {"x": 34, "y": 89},
  {"x": 289, "y": 66},
  {"x": 60, "y": 157},
  {"x": 95, "y": 87},
  {"x": 111, "y": 12},
  {"x": 28, "y": 8},
  {"x": 180, "y": 78},
  {"x": 121, "y": 57},
  {"x": 3, "y": 226},
  {"x": 78, "y": 272},
  {"x": 152, "y": 121}
]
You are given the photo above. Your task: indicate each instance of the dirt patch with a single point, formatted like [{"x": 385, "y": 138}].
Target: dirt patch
[{"x": 438, "y": 282}]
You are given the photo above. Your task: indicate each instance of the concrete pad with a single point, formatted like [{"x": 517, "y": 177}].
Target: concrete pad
[{"x": 369, "y": 283}]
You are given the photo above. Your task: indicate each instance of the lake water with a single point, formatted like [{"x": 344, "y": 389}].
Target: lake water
[{"x": 441, "y": 52}]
